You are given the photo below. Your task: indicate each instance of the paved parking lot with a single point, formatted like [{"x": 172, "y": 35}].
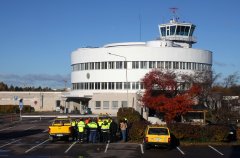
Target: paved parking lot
[{"x": 29, "y": 139}]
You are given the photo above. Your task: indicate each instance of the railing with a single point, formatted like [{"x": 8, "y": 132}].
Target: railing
[{"x": 180, "y": 38}]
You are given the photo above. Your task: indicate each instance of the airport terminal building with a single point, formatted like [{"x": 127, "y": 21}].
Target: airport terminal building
[{"x": 109, "y": 77}]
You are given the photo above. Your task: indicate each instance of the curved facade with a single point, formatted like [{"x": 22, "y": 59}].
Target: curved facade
[{"x": 112, "y": 74}]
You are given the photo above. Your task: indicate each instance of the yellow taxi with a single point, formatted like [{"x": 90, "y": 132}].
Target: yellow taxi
[{"x": 156, "y": 135}]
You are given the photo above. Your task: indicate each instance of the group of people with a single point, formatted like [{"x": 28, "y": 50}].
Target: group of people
[{"x": 94, "y": 130}]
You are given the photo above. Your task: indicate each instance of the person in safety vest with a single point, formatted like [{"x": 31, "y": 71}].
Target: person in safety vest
[
  {"x": 81, "y": 129},
  {"x": 105, "y": 131},
  {"x": 100, "y": 122},
  {"x": 74, "y": 129},
  {"x": 93, "y": 126}
]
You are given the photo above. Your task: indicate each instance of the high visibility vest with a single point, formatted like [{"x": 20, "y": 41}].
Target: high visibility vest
[
  {"x": 73, "y": 123},
  {"x": 105, "y": 126},
  {"x": 92, "y": 125},
  {"x": 100, "y": 122},
  {"x": 81, "y": 126}
]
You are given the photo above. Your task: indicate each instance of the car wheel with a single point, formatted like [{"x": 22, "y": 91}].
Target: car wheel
[{"x": 51, "y": 138}]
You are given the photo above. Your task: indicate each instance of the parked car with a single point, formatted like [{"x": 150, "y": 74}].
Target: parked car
[
  {"x": 60, "y": 128},
  {"x": 156, "y": 135}
]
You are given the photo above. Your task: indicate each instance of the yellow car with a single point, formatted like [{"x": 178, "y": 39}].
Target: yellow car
[
  {"x": 157, "y": 136},
  {"x": 60, "y": 128}
]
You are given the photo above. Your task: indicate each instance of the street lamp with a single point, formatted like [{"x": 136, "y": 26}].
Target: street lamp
[{"x": 126, "y": 72}]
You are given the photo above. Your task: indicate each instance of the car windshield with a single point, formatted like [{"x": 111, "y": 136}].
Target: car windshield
[
  {"x": 158, "y": 131},
  {"x": 61, "y": 121}
]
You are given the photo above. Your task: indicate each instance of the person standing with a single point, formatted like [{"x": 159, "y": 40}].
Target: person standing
[
  {"x": 93, "y": 126},
  {"x": 81, "y": 129},
  {"x": 123, "y": 127},
  {"x": 113, "y": 131},
  {"x": 105, "y": 131},
  {"x": 74, "y": 129}
]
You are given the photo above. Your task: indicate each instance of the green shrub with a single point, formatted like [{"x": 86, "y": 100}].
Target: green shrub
[
  {"x": 15, "y": 109},
  {"x": 129, "y": 113},
  {"x": 136, "y": 132},
  {"x": 188, "y": 132},
  {"x": 136, "y": 124}
]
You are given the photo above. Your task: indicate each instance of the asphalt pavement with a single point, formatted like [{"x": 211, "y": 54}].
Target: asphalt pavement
[{"x": 29, "y": 139}]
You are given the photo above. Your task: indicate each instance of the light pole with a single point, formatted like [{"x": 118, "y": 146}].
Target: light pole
[{"x": 125, "y": 58}]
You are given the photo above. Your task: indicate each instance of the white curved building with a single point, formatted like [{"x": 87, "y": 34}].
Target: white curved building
[{"x": 109, "y": 77}]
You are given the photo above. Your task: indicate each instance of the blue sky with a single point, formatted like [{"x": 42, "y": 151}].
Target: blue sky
[{"x": 38, "y": 36}]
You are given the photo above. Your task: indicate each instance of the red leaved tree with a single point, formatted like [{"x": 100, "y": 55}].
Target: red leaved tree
[{"x": 168, "y": 93}]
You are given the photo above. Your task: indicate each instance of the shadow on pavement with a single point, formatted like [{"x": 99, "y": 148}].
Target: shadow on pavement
[{"x": 18, "y": 134}]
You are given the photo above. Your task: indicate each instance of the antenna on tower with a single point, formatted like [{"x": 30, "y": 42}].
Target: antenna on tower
[{"x": 174, "y": 12}]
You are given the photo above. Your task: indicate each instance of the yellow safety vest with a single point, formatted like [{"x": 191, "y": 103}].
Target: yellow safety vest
[
  {"x": 105, "y": 126},
  {"x": 92, "y": 125},
  {"x": 73, "y": 123},
  {"x": 81, "y": 126}
]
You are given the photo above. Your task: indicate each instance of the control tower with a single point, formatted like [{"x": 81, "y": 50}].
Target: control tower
[{"x": 180, "y": 33}]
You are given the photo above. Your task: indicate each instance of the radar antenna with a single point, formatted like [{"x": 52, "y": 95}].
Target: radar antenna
[{"x": 174, "y": 12}]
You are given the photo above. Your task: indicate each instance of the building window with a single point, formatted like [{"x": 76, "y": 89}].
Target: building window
[
  {"x": 86, "y": 66},
  {"x": 127, "y": 85},
  {"x": 168, "y": 64},
  {"x": 97, "y": 65},
  {"x": 160, "y": 64},
  {"x": 124, "y": 104},
  {"x": 91, "y": 85},
  {"x": 189, "y": 66},
  {"x": 152, "y": 64},
  {"x": 110, "y": 65},
  {"x": 103, "y": 85},
  {"x": 184, "y": 65},
  {"x": 97, "y": 85},
  {"x": 119, "y": 65},
  {"x": 114, "y": 104},
  {"x": 135, "y": 64},
  {"x": 75, "y": 67},
  {"x": 91, "y": 66},
  {"x": 118, "y": 85},
  {"x": 143, "y": 64},
  {"x": 103, "y": 65},
  {"x": 125, "y": 65},
  {"x": 82, "y": 66},
  {"x": 105, "y": 104},
  {"x": 194, "y": 66},
  {"x": 175, "y": 65},
  {"x": 135, "y": 85},
  {"x": 98, "y": 105},
  {"x": 86, "y": 85},
  {"x": 141, "y": 85},
  {"x": 110, "y": 85}
]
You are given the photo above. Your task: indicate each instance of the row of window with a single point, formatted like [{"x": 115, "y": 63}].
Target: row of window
[
  {"x": 104, "y": 105},
  {"x": 141, "y": 65},
  {"x": 177, "y": 30},
  {"x": 107, "y": 85}
]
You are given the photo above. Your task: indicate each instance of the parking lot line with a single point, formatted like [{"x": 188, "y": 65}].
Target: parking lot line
[
  {"x": 180, "y": 151},
  {"x": 5, "y": 129},
  {"x": 215, "y": 150},
  {"x": 141, "y": 148},
  {"x": 9, "y": 143},
  {"x": 36, "y": 146},
  {"x": 45, "y": 131},
  {"x": 30, "y": 128},
  {"x": 70, "y": 147},
  {"x": 106, "y": 148}
]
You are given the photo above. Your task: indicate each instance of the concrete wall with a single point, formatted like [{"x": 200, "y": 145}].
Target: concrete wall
[
  {"x": 110, "y": 97},
  {"x": 41, "y": 101}
]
